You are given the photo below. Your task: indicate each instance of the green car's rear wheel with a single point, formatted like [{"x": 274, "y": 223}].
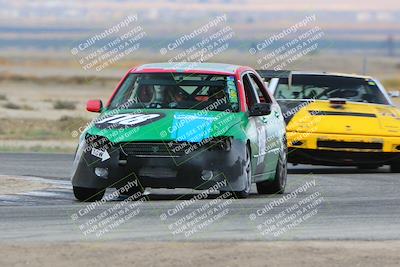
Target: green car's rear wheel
[{"x": 276, "y": 186}]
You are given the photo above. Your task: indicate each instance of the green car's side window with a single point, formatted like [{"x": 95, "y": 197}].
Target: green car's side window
[
  {"x": 251, "y": 98},
  {"x": 261, "y": 93}
]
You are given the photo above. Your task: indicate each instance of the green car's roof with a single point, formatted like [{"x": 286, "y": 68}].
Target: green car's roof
[{"x": 190, "y": 67}]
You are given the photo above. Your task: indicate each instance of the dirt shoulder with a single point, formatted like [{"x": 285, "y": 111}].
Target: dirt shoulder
[{"x": 297, "y": 253}]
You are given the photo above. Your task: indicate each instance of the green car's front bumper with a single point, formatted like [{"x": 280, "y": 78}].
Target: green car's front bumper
[{"x": 198, "y": 169}]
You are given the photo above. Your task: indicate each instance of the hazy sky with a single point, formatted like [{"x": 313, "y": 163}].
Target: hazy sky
[{"x": 20, "y": 12}]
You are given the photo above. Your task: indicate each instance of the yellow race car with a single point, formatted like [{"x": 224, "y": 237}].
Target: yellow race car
[{"x": 338, "y": 120}]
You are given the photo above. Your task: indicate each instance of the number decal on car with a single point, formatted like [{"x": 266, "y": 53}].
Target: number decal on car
[{"x": 128, "y": 120}]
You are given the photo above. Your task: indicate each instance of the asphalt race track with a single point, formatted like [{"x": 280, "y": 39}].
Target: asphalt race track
[{"x": 320, "y": 203}]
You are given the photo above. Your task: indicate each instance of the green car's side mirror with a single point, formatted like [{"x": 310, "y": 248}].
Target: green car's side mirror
[
  {"x": 94, "y": 105},
  {"x": 260, "y": 109}
]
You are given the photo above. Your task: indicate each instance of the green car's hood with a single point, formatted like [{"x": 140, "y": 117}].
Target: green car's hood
[{"x": 164, "y": 125}]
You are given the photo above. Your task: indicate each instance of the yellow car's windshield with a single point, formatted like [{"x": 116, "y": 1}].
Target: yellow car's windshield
[{"x": 325, "y": 87}]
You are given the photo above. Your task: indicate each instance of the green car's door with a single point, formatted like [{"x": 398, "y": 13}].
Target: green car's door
[{"x": 266, "y": 145}]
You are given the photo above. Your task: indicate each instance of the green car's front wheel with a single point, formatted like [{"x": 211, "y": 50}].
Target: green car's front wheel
[
  {"x": 247, "y": 169},
  {"x": 84, "y": 194}
]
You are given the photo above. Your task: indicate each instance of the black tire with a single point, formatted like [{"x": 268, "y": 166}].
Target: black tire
[
  {"x": 247, "y": 169},
  {"x": 132, "y": 191},
  {"x": 276, "y": 186},
  {"x": 395, "y": 167},
  {"x": 84, "y": 194},
  {"x": 368, "y": 167}
]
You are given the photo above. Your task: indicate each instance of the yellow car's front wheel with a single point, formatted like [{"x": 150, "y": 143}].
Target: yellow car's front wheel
[{"x": 395, "y": 167}]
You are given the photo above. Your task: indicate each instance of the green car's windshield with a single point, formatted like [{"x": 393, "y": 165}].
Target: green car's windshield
[
  {"x": 177, "y": 91},
  {"x": 324, "y": 87}
]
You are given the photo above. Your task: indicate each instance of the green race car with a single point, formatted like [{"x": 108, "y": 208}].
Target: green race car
[{"x": 186, "y": 125}]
